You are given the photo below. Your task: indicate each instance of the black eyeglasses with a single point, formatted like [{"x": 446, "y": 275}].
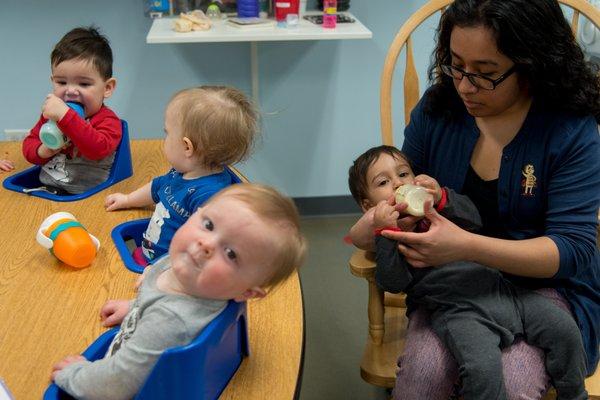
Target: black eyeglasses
[{"x": 480, "y": 81}]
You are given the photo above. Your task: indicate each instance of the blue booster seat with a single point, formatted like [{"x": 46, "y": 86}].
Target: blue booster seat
[
  {"x": 28, "y": 181},
  {"x": 199, "y": 370}
]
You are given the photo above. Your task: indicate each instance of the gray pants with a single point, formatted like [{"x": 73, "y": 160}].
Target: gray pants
[{"x": 476, "y": 312}]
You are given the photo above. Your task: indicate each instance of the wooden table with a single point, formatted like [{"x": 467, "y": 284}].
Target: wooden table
[{"x": 49, "y": 310}]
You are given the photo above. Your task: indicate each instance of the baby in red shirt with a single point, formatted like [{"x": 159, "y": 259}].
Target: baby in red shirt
[{"x": 81, "y": 65}]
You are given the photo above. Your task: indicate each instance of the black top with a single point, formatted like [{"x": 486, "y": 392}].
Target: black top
[{"x": 485, "y": 196}]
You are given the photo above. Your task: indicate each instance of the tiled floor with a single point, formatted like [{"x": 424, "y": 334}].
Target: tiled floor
[{"x": 335, "y": 306}]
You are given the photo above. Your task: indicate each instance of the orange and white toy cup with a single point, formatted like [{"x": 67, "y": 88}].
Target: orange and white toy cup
[{"x": 68, "y": 240}]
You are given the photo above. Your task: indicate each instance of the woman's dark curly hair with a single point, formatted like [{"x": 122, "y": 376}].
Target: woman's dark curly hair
[{"x": 535, "y": 35}]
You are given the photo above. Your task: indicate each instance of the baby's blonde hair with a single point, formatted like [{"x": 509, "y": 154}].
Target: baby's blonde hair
[
  {"x": 220, "y": 121},
  {"x": 281, "y": 212}
]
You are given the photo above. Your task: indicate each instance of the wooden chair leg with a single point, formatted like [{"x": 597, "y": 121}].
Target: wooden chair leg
[{"x": 376, "y": 312}]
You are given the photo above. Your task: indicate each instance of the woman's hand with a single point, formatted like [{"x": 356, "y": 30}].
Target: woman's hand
[
  {"x": 68, "y": 360},
  {"x": 443, "y": 243},
  {"x": 113, "y": 312}
]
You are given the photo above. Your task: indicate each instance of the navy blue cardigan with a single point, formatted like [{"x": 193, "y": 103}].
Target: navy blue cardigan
[{"x": 564, "y": 152}]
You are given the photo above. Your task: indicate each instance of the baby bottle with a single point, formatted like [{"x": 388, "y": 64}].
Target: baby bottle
[
  {"x": 68, "y": 240},
  {"x": 329, "y": 13},
  {"x": 51, "y": 135},
  {"x": 415, "y": 196}
]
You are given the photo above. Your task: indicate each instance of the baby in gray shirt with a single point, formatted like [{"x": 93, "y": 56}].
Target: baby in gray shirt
[{"x": 243, "y": 241}]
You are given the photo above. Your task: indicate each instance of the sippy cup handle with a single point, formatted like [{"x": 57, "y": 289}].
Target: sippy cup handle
[
  {"x": 44, "y": 240},
  {"x": 95, "y": 241}
]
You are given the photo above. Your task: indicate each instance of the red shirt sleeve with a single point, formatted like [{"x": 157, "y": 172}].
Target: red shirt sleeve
[
  {"x": 440, "y": 206},
  {"x": 96, "y": 139}
]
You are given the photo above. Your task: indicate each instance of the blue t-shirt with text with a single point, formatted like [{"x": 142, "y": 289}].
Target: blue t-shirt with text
[{"x": 176, "y": 199}]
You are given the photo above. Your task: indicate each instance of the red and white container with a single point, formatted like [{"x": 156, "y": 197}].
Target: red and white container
[{"x": 285, "y": 7}]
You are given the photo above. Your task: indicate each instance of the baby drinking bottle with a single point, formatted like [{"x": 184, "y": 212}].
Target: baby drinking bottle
[
  {"x": 68, "y": 240},
  {"x": 415, "y": 196},
  {"x": 51, "y": 135}
]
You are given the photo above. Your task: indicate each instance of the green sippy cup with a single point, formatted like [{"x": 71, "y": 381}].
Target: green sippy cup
[{"x": 51, "y": 135}]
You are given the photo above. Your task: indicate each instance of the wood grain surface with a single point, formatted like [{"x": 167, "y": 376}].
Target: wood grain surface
[{"x": 49, "y": 310}]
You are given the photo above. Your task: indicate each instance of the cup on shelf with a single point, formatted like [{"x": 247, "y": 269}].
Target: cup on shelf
[
  {"x": 292, "y": 20},
  {"x": 285, "y": 7},
  {"x": 213, "y": 12},
  {"x": 247, "y": 8},
  {"x": 302, "y": 8}
]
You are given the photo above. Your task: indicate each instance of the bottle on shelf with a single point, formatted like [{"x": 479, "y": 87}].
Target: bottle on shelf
[
  {"x": 329, "y": 13},
  {"x": 283, "y": 8},
  {"x": 247, "y": 8},
  {"x": 263, "y": 6},
  {"x": 156, "y": 8}
]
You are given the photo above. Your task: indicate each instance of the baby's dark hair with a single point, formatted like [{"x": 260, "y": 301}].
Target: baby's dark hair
[
  {"x": 85, "y": 43},
  {"x": 357, "y": 174}
]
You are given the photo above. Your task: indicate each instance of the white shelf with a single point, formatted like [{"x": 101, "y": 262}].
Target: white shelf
[{"x": 162, "y": 32}]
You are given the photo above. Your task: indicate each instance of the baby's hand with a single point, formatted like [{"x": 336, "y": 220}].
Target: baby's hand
[
  {"x": 116, "y": 201},
  {"x": 45, "y": 152},
  {"x": 54, "y": 108},
  {"x": 431, "y": 185},
  {"x": 68, "y": 360},
  {"x": 113, "y": 312},
  {"x": 385, "y": 214},
  {"x": 6, "y": 165}
]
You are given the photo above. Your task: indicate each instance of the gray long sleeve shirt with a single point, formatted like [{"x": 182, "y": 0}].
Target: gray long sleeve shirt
[
  {"x": 393, "y": 273},
  {"x": 156, "y": 321}
]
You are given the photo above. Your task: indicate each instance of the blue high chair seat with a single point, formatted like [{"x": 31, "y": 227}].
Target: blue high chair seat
[
  {"x": 199, "y": 370},
  {"x": 30, "y": 178},
  {"x": 133, "y": 230}
]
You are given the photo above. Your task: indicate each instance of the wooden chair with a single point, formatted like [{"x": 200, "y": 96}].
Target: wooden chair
[{"x": 386, "y": 311}]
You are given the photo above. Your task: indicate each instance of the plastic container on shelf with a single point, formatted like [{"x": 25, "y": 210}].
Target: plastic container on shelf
[
  {"x": 156, "y": 8},
  {"x": 285, "y": 7},
  {"x": 329, "y": 13},
  {"x": 302, "y": 8},
  {"x": 263, "y": 6},
  {"x": 247, "y": 8},
  {"x": 213, "y": 12},
  {"x": 342, "y": 5}
]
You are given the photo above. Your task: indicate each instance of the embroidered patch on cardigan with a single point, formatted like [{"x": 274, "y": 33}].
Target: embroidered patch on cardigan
[{"x": 529, "y": 182}]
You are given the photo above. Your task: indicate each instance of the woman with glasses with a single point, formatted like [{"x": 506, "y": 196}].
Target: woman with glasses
[{"x": 510, "y": 121}]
